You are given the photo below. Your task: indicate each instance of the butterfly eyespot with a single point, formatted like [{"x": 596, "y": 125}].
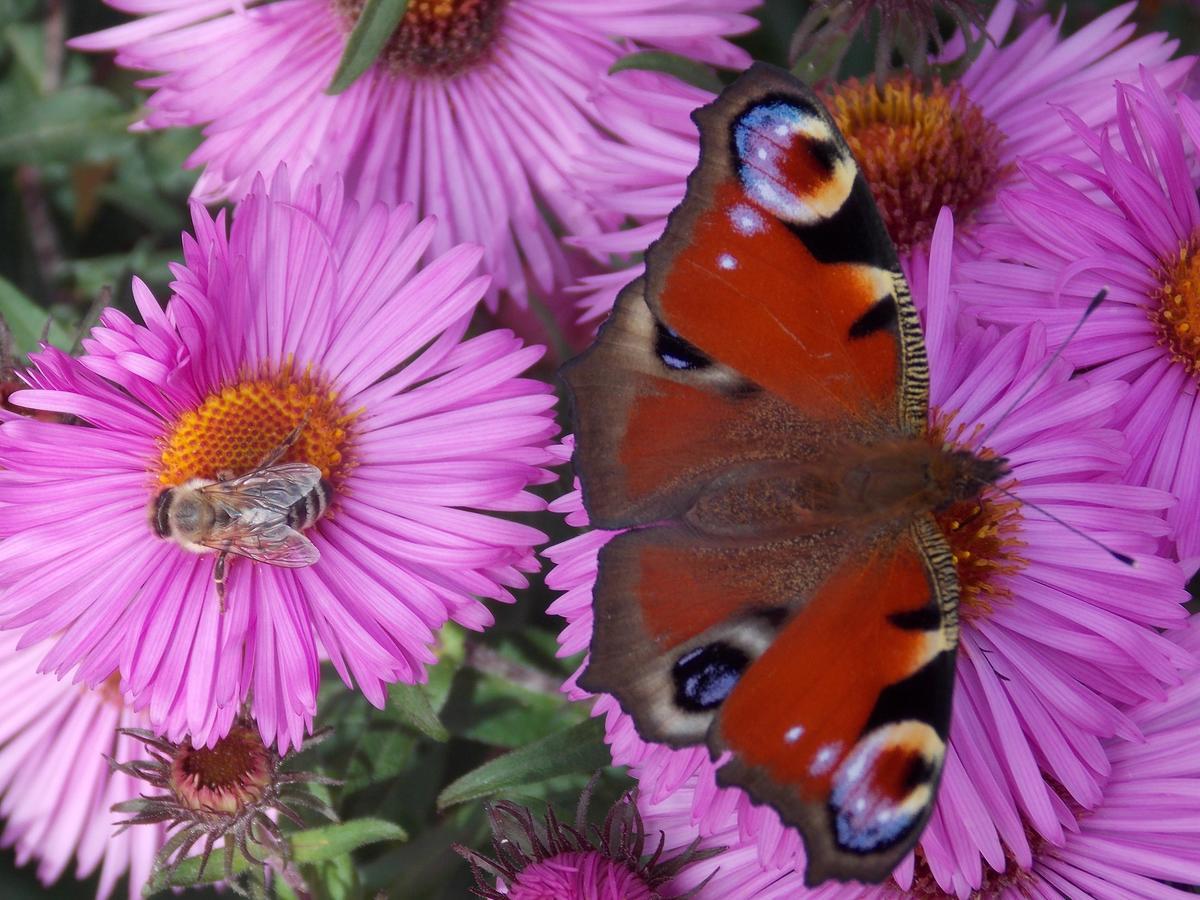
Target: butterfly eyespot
[
  {"x": 789, "y": 163},
  {"x": 705, "y": 676},
  {"x": 676, "y": 353},
  {"x": 882, "y": 790}
]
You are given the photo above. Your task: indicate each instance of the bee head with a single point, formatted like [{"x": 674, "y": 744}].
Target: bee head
[{"x": 180, "y": 513}]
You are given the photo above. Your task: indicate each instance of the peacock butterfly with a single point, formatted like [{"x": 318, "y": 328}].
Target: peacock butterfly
[{"x": 753, "y": 417}]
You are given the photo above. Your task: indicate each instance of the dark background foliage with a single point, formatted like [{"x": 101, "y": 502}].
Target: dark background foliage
[{"x": 84, "y": 205}]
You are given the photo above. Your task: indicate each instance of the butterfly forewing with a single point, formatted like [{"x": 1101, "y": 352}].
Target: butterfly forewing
[{"x": 755, "y": 411}]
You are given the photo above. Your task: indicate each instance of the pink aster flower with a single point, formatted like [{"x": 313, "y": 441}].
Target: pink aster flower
[
  {"x": 1046, "y": 664},
  {"x": 310, "y": 313},
  {"x": 1126, "y": 218},
  {"x": 55, "y": 783},
  {"x": 547, "y": 860},
  {"x": 953, "y": 145},
  {"x": 471, "y": 112}
]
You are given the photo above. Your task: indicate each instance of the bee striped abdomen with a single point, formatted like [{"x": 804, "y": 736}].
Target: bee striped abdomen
[{"x": 305, "y": 511}]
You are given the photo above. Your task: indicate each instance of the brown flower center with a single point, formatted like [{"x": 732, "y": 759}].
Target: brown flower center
[
  {"x": 436, "y": 38},
  {"x": 234, "y": 429},
  {"x": 225, "y": 778},
  {"x": 984, "y": 536},
  {"x": 919, "y": 150},
  {"x": 1176, "y": 308},
  {"x": 1013, "y": 881}
]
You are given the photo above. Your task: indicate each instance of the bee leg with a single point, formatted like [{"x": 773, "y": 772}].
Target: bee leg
[
  {"x": 219, "y": 571},
  {"x": 277, "y": 454}
]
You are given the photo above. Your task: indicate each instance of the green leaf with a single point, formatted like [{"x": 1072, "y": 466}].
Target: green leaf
[
  {"x": 494, "y": 710},
  {"x": 331, "y": 841},
  {"x": 75, "y": 124},
  {"x": 188, "y": 873},
  {"x": 823, "y": 60},
  {"x": 366, "y": 748},
  {"x": 338, "y": 879},
  {"x": 580, "y": 748},
  {"x": 27, "y": 320},
  {"x": 315, "y": 845},
  {"x": 371, "y": 33},
  {"x": 27, "y": 41},
  {"x": 412, "y": 705},
  {"x": 686, "y": 70},
  {"x": 89, "y": 275}
]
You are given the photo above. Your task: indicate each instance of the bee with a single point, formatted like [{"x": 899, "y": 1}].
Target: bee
[{"x": 260, "y": 515}]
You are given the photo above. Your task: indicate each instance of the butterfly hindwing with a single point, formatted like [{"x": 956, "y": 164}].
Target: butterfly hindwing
[
  {"x": 731, "y": 414},
  {"x": 841, "y": 725},
  {"x": 707, "y": 608}
]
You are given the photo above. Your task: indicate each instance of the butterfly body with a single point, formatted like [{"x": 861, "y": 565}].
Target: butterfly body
[
  {"x": 754, "y": 418},
  {"x": 880, "y": 485}
]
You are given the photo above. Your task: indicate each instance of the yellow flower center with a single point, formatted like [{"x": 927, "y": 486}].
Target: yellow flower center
[
  {"x": 1176, "y": 310},
  {"x": 236, "y": 428},
  {"x": 436, "y": 38},
  {"x": 919, "y": 150},
  {"x": 984, "y": 536}
]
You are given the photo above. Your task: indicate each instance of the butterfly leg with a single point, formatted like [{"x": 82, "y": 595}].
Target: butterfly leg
[
  {"x": 277, "y": 454},
  {"x": 219, "y": 572}
]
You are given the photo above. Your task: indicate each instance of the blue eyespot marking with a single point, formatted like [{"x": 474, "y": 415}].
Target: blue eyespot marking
[
  {"x": 676, "y": 353},
  {"x": 873, "y": 810},
  {"x": 705, "y": 676},
  {"x": 763, "y": 137}
]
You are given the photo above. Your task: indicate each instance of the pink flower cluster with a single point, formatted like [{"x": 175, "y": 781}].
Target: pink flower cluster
[{"x": 333, "y": 313}]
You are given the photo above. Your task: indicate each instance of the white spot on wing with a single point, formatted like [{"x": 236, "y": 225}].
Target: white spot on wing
[
  {"x": 793, "y": 734},
  {"x": 725, "y": 261},
  {"x": 825, "y": 759},
  {"x": 746, "y": 220}
]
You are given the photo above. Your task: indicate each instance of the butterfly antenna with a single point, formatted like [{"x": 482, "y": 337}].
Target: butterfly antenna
[
  {"x": 1122, "y": 558},
  {"x": 1091, "y": 308}
]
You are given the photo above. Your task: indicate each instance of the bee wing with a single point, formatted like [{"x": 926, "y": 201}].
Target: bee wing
[
  {"x": 275, "y": 543},
  {"x": 256, "y": 506},
  {"x": 274, "y": 488}
]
